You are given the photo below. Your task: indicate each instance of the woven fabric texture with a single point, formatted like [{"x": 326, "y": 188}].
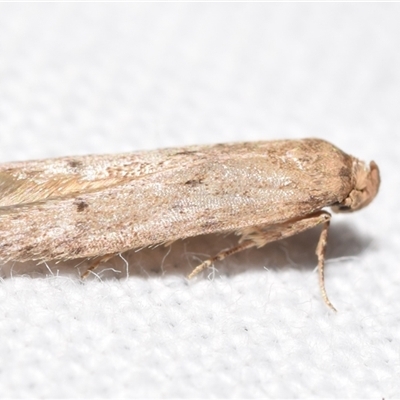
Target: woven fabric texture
[{"x": 103, "y": 78}]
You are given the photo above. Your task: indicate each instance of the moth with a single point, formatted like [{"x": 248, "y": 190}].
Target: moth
[{"x": 98, "y": 206}]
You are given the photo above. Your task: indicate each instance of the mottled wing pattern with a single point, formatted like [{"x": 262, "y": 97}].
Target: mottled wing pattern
[{"x": 114, "y": 203}]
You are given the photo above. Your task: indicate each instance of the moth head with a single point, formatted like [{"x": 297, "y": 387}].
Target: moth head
[{"x": 366, "y": 186}]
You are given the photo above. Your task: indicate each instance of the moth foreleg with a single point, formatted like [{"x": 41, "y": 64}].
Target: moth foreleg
[{"x": 259, "y": 236}]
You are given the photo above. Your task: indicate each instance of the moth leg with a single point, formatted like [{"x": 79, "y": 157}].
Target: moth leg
[
  {"x": 259, "y": 236},
  {"x": 220, "y": 256},
  {"x": 320, "y": 252},
  {"x": 266, "y": 234},
  {"x": 95, "y": 263}
]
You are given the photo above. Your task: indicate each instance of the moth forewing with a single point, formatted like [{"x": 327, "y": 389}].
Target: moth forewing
[{"x": 96, "y": 206}]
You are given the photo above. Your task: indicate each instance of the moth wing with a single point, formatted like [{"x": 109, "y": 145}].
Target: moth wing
[
  {"x": 165, "y": 205},
  {"x": 32, "y": 181}
]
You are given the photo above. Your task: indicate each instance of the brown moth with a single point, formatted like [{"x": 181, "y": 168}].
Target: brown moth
[{"x": 101, "y": 205}]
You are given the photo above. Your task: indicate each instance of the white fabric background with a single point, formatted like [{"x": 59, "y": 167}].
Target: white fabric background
[{"x": 97, "y": 78}]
